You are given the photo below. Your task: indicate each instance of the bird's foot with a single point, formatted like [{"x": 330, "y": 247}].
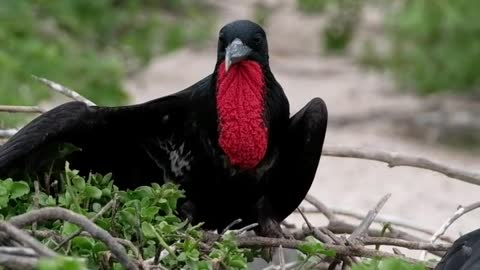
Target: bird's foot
[{"x": 271, "y": 228}]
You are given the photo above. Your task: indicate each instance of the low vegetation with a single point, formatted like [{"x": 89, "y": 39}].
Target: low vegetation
[{"x": 146, "y": 221}]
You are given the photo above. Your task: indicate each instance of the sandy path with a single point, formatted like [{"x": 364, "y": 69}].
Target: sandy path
[{"x": 420, "y": 196}]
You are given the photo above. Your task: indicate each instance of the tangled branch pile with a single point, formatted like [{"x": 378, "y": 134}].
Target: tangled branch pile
[{"x": 93, "y": 225}]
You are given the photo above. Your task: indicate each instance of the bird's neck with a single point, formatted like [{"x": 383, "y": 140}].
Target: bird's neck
[{"x": 243, "y": 133}]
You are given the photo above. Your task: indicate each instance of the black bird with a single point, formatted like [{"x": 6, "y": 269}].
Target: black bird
[
  {"x": 464, "y": 254},
  {"x": 228, "y": 140}
]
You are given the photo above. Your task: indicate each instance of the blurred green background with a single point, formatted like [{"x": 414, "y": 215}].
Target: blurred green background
[{"x": 89, "y": 46}]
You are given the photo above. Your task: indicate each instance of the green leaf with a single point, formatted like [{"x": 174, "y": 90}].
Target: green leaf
[
  {"x": 69, "y": 228},
  {"x": 238, "y": 262},
  {"x": 83, "y": 242},
  {"x": 3, "y": 201},
  {"x": 314, "y": 247},
  {"x": 106, "y": 178},
  {"x": 18, "y": 189},
  {"x": 148, "y": 230},
  {"x": 96, "y": 207},
  {"x": 79, "y": 183},
  {"x": 149, "y": 212},
  {"x": 93, "y": 192},
  {"x": 100, "y": 246},
  {"x": 3, "y": 190}
]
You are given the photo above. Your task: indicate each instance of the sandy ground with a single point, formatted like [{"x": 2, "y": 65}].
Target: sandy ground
[{"x": 419, "y": 196}]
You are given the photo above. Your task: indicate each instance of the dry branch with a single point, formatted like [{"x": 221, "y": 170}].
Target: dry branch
[
  {"x": 7, "y": 133},
  {"x": 18, "y": 262},
  {"x": 405, "y": 244},
  {"x": 362, "y": 229},
  {"x": 22, "y": 237},
  {"x": 462, "y": 210},
  {"x": 93, "y": 219},
  {"x": 397, "y": 159},
  {"x": 58, "y": 213},
  {"x": 64, "y": 90},
  {"x": 256, "y": 242},
  {"x": 21, "y": 109}
]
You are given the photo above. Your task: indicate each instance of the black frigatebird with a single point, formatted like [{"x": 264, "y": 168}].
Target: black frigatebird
[{"x": 227, "y": 140}]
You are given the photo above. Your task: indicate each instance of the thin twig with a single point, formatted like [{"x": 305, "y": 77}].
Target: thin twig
[
  {"x": 462, "y": 210},
  {"x": 386, "y": 219},
  {"x": 24, "y": 238},
  {"x": 21, "y": 109},
  {"x": 281, "y": 257},
  {"x": 322, "y": 208},
  {"x": 362, "y": 229},
  {"x": 100, "y": 213},
  {"x": 406, "y": 244},
  {"x": 36, "y": 200},
  {"x": 64, "y": 90},
  {"x": 264, "y": 242},
  {"x": 315, "y": 231},
  {"x": 20, "y": 251},
  {"x": 233, "y": 223},
  {"x": 54, "y": 213},
  {"x": 341, "y": 227},
  {"x": 397, "y": 159},
  {"x": 7, "y": 133},
  {"x": 246, "y": 228},
  {"x": 18, "y": 262}
]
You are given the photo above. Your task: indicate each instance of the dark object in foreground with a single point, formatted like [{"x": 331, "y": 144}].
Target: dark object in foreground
[
  {"x": 227, "y": 140},
  {"x": 464, "y": 254}
]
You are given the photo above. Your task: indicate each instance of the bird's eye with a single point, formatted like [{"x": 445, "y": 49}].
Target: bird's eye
[
  {"x": 257, "y": 39},
  {"x": 221, "y": 40}
]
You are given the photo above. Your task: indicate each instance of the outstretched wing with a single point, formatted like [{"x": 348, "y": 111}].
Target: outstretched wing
[{"x": 109, "y": 139}]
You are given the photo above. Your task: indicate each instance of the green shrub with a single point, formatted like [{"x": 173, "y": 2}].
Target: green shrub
[
  {"x": 88, "y": 45},
  {"x": 436, "y": 45}
]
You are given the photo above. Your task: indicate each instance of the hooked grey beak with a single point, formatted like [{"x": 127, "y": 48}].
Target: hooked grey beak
[{"x": 236, "y": 52}]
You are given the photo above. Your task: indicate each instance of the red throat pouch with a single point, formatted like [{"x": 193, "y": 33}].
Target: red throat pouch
[{"x": 241, "y": 106}]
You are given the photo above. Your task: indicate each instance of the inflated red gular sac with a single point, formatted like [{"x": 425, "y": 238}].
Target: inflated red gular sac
[{"x": 241, "y": 105}]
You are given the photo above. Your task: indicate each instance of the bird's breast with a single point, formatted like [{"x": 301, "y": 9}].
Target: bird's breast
[{"x": 243, "y": 133}]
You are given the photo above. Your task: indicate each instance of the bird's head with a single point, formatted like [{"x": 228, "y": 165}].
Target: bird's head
[
  {"x": 242, "y": 73},
  {"x": 239, "y": 41}
]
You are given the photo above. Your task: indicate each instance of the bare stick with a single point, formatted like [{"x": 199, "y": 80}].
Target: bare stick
[
  {"x": 387, "y": 219},
  {"x": 7, "y": 133},
  {"x": 64, "y": 90},
  {"x": 53, "y": 213},
  {"x": 281, "y": 257},
  {"x": 406, "y": 244},
  {"x": 100, "y": 213},
  {"x": 362, "y": 229},
  {"x": 21, "y": 109},
  {"x": 18, "y": 262},
  {"x": 233, "y": 223},
  {"x": 255, "y": 242},
  {"x": 379, "y": 219},
  {"x": 396, "y": 159},
  {"x": 316, "y": 232},
  {"x": 462, "y": 210},
  {"x": 246, "y": 228},
  {"x": 322, "y": 208},
  {"x": 36, "y": 200},
  {"x": 20, "y": 251},
  {"x": 24, "y": 238}
]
